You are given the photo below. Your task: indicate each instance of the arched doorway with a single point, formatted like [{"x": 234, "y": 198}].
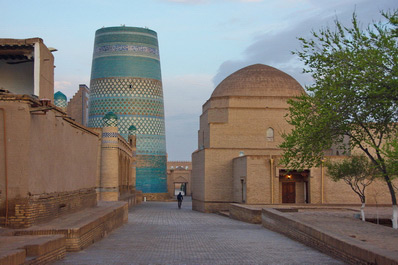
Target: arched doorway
[
  {"x": 294, "y": 186},
  {"x": 180, "y": 185}
]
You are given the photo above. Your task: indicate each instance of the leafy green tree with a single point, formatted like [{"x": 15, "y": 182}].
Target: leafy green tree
[
  {"x": 357, "y": 171},
  {"x": 354, "y": 96}
]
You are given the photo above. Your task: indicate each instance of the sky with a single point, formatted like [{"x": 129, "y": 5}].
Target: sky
[{"x": 201, "y": 42}]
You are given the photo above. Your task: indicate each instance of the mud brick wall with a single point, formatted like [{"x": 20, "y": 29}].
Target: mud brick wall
[{"x": 41, "y": 208}]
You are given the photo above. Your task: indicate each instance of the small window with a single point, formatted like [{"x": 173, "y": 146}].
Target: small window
[{"x": 270, "y": 134}]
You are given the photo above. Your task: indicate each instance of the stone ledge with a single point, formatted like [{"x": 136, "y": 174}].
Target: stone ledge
[
  {"x": 335, "y": 245},
  {"x": 245, "y": 213},
  {"x": 31, "y": 249},
  {"x": 15, "y": 256},
  {"x": 83, "y": 228}
]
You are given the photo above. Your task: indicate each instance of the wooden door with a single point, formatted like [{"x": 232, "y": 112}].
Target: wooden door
[{"x": 288, "y": 192}]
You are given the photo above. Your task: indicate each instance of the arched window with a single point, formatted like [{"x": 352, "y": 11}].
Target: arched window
[{"x": 270, "y": 134}]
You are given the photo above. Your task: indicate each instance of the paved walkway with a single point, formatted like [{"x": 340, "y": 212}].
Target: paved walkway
[
  {"x": 159, "y": 233},
  {"x": 342, "y": 223}
]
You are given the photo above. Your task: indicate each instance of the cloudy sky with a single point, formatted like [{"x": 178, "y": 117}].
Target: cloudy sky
[{"x": 201, "y": 42}]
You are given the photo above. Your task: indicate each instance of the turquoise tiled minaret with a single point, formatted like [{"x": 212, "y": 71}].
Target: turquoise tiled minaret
[{"x": 126, "y": 80}]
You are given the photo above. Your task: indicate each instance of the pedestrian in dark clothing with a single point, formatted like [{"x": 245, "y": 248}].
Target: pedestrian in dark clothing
[{"x": 179, "y": 199}]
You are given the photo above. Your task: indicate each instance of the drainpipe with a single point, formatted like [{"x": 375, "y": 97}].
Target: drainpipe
[
  {"x": 5, "y": 162},
  {"x": 272, "y": 179}
]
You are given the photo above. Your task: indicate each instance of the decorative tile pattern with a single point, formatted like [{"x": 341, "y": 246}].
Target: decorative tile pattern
[
  {"x": 60, "y": 100},
  {"x": 150, "y": 176},
  {"x": 109, "y": 134},
  {"x": 109, "y": 122},
  {"x": 61, "y": 103},
  {"x": 136, "y": 101},
  {"x": 121, "y": 49},
  {"x": 126, "y": 81}
]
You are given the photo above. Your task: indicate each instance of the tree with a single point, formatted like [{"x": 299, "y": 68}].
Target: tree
[
  {"x": 357, "y": 172},
  {"x": 354, "y": 95}
]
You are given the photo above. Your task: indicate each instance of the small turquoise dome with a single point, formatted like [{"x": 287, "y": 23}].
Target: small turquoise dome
[
  {"x": 110, "y": 119},
  {"x": 60, "y": 100},
  {"x": 60, "y": 95},
  {"x": 110, "y": 115},
  {"x": 132, "y": 129}
]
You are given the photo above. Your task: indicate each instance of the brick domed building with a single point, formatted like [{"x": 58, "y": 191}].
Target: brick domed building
[{"x": 238, "y": 154}]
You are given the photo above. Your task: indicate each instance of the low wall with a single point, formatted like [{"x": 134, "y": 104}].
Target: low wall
[
  {"x": 138, "y": 197},
  {"x": 132, "y": 198},
  {"x": 343, "y": 248},
  {"x": 156, "y": 196},
  {"x": 245, "y": 213},
  {"x": 24, "y": 212},
  {"x": 83, "y": 229},
  {"x": 210, "y": 207},
  {"x": 31, "y": 250}
]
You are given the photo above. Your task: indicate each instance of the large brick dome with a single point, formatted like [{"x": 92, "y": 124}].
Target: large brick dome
[{"x": 258, "y": 80}]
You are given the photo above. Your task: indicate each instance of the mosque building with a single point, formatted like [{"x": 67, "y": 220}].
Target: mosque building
[
  {"x": 126, "y": 80},
  {"x": 237, "y": 160}
]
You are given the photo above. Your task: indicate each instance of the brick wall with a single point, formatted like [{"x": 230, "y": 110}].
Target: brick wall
[
  {"x": 88, "y": 230},
  {"x": 245, "y": 213},
  {"x": 156, "y": 196},
  {"x": 32, "y": 210}
]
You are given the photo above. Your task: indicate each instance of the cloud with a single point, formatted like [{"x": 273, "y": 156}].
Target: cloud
[
  {"x": 184, "y": 96},
  {"x": 274, "y": 47},
  {"x": 61, "y": 85},
  {"x": 186, "y": 93},
  {"x": 71, "y": 86}
]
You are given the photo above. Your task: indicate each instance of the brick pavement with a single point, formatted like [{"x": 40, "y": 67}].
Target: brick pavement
[
  {"x": 159, "y": 233},
  {"x": 342, "y": 223}
]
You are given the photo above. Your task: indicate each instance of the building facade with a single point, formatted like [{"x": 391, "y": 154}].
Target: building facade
[
  {"x": 238, "y": 154},
  {"x": 78, "y": 105},
  {"x": 28, "y": 69},
  {"x": 126, "y": 79},
  {"x": 179, "y": 178}
]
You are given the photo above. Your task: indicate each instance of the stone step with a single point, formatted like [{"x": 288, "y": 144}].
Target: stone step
[
  {"x": 85, "y": 227},
  {"x": 224, "y": 213},
  {"x": 39, "y": 249}
]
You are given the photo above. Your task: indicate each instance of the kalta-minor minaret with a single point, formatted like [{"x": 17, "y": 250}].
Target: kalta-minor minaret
[{"x": 126, "y": 80}]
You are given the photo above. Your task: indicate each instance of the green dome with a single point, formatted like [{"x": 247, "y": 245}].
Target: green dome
[
  {"x": 110, "y": 115},
  {"x": 60, "y": 100},
  {"x": 110, "y": 120},
  {"x": 60, "y": 96},
  {"x": 132, "y": 130}
]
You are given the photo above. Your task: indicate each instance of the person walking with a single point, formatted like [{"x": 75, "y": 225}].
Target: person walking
[{"x": 179, "y": 199}]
